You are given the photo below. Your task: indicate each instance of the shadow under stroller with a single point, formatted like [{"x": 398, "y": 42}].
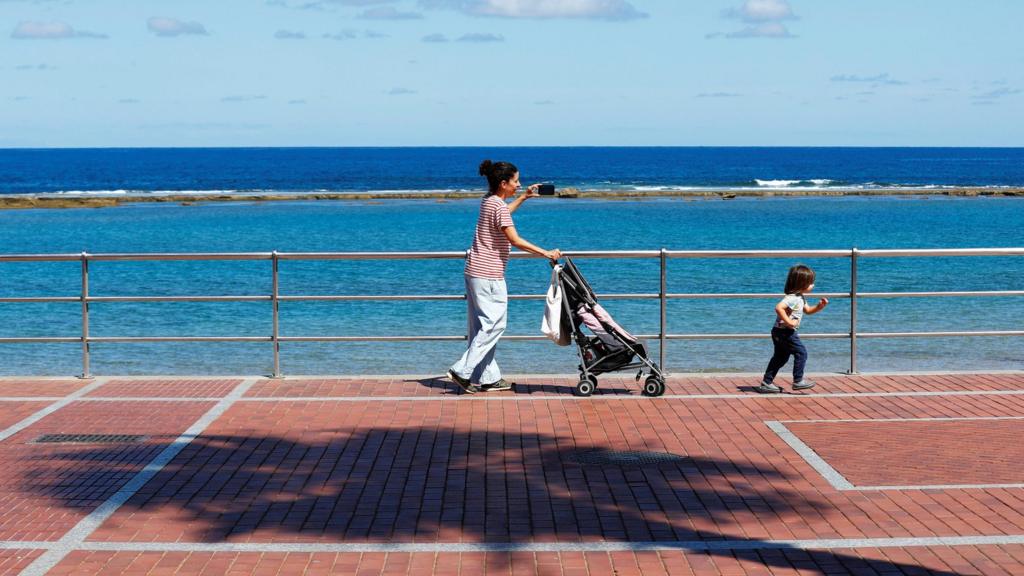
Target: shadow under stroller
[{"x": 611, "y": 348}]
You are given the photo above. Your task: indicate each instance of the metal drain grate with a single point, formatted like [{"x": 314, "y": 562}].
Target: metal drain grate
[
  {"x": 629, "y": 458},
  {"x": 89, "y": 438}
]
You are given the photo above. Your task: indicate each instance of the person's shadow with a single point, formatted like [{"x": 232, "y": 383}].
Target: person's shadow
[{"x": 428, "y": 483}]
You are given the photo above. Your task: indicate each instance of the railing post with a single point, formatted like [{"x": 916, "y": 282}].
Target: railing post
[
  {"x": 853, "y": 311},
  {"x": 85, "y": 316},
  {"x": 662, "y": 297},
  {"x": 274, "y": 305}
]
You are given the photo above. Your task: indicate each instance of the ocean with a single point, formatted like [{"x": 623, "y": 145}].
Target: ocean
[
  {"x": 112, "y": 171},
  {"x": 925, "y": 219}
]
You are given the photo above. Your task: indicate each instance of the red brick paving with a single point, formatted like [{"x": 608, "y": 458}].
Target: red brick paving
[
  {"x": 45, "y": 489},
  {"x": 478, "y": 471},
  {"x": 13, "y": 412},
  {"x": 14, "y": 561},
  {"x": 468, "y": 470},
  {"x": 26, "y": 388},
  {"x": 184, "y": 388},
  {"x": 983, "y": 560},
  {"x": 920, "y": 453},
  {"x": 620, "y": 384}
]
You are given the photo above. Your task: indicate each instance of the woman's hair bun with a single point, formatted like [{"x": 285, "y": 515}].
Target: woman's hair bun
[{"x": 485, "y": 168}]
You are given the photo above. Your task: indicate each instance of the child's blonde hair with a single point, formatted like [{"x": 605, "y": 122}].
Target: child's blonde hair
[{"x": 799, "y": 279}]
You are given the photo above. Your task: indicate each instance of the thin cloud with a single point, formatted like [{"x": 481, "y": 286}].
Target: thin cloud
[
  {"x": 481, "y": 38},
  {"x": 343, "y": 35},
  {"x": 128, "y": 101},
  {"x": 998, "y": 93},
  {"x": 762, "y": 11},
  {"x": 435, "y": 38},
  {"x": 877, "y": 79},
  {"x": 296, "y": 102},
  {"x": 766, "y": 30},
  {"x": 763, "y": 19},
  {"x": 541, "y": 9},
  {"x": 718, "y": 95},
  {"x": 324, "y": 5},
  {"x": 388, "y": 13},
  {"x": 400, "y": 92},
  {"x": 171, "y": 27},
  {"x": 243, "y": 98},
  {"x": 31, "y": 30},
  {"x": 34, "y": 67},
  {"x": 289, "y": 35}
]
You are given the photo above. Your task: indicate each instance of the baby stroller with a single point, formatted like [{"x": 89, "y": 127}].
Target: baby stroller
[{"x": 610, "y": 348}]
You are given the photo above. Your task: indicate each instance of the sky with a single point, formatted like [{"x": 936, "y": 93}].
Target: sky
[{"x": 117, "y": 73}]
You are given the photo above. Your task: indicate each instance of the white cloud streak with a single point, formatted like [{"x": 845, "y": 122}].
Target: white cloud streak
[
  {"x": 763, "y": 19},
  {"x": 30, "y": 30},
  {"x": 171, "y": 27},
  {"x": 541, "y": 9}
]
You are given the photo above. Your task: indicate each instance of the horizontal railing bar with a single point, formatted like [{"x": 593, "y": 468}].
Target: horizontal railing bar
[
  {"x": 343, "y": 298},
  {"x": 699, "y": 296},
  {"x": 31, "y": 340},
  {"x": 168, "y": 256},
  {"x": 462, "y": 254},
  {"x": 177, "y": 339},
  {"x": 939, "y": 334},
  {"x": 751, "y": 336},
  {"x": 43, "y": 299},
  {"x": 176, "y": 298},
  {"x": 758, "y": 253},
  {"x": 40, "y": 257},
  {"x": 727, "y": 336},
  {"x": 930, "y": 294},
  {"x": 941, "y": 252},
  {"x": 370, "y": 255},
  {"x": 434, "y": 297},
  {"x": 373, "y": 338}
]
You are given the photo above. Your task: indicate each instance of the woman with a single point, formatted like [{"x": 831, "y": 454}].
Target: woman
[{"x": 485, "y": 277}]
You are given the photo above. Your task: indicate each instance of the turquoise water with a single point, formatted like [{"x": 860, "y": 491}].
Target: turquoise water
[{"x": 676, "y": 224}]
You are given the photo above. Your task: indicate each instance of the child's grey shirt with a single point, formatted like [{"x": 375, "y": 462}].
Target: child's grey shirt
[{"x": 795, "y": 303}]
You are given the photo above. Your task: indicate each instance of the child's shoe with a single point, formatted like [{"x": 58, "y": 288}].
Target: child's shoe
[
  {"x": 803, "y": 385},
  {"x": 767, "y": 388}
]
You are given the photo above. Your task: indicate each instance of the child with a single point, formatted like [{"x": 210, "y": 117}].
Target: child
[{"x": 787, "y": 342}]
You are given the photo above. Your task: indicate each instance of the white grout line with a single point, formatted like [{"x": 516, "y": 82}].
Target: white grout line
[
  {"x": 39, "y": 415},
  {"x": 929, "y": 419},
  {"x": 839, "y": 482},
  {"x": 598, "y": 546},
  {"x": 75, "y": 537}
]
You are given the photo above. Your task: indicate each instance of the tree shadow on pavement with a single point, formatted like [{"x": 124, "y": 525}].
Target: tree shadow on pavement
[{"x": 432, "y": 484}]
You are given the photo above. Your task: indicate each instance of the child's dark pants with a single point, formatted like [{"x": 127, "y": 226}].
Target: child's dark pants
[{"x": 787, "y": 343}]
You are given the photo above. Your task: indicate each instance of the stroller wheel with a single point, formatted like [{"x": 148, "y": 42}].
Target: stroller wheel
[
  {"x": 653, "y": 386},
  {"x": 584, "y": 388},
  {"x": 591, "y": 378}
]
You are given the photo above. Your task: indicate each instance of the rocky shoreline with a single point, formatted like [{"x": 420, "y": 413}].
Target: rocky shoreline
[{"x": 29, "y": 202}]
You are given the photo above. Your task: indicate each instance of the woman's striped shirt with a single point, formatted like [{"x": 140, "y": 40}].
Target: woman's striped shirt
[{"x": 489, "y": 254}]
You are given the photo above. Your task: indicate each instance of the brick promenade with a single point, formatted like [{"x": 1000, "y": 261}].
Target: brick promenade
[{"x": 870, "y": 474}]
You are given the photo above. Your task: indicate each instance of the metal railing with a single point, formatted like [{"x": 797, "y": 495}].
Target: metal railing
[{"x": 275, "y": 297}]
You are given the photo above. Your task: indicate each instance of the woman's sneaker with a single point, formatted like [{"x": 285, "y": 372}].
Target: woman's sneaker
[
  {"x": 498, "y": 386},
  {"x": 466, "y": 385},
  {"x": 803, "y": 385},
  {"x": 768, "y": 388}
]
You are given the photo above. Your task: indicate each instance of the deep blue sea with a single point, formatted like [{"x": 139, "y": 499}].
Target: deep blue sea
[
  {"x": 240, "y": 170},
  {"x": 924, "y": 220}
]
